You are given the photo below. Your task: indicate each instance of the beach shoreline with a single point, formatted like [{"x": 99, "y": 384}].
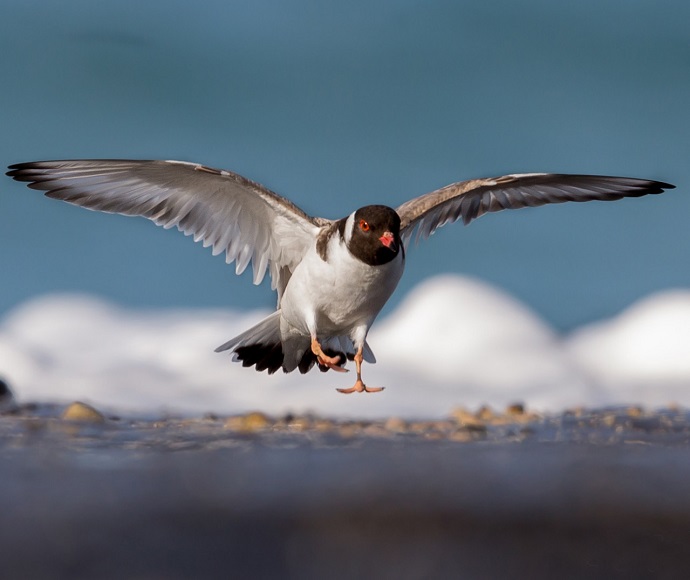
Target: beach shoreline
[{"x": 601, "y": 493}]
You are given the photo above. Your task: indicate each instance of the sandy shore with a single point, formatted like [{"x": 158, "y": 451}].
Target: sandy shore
[{"x": 587, "y": 493}]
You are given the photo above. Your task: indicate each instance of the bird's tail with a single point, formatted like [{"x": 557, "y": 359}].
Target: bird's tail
[{"x": 261, "y": 346}]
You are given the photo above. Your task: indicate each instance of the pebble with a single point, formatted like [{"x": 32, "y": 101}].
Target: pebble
[
  {"x": 249, "y": 423},
  {"x": 299, "y": 424},
  {"x": 82, "y": 412},
  {"x": 466, "y": 418},
  {"x": 395, "y": 425},
  {"x": 486, "y": 413},
  {"x": 515, "y": 409}
]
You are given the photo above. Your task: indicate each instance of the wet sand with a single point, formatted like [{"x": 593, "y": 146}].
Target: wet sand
[{"x": 586, "y": 493}]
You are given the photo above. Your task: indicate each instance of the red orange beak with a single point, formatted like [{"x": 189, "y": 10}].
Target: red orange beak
[{"x": 388, "y": 240}]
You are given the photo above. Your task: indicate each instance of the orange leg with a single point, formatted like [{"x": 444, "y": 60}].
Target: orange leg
[
  {"x": 323, "y": 359},
  {"x": 359, "y": 386}
]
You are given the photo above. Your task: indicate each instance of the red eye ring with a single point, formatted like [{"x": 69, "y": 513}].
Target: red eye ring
[{"x": 363, "y": 225}]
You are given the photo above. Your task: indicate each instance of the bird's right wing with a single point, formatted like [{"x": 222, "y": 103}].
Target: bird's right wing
[{"x": 222, "y": 209}]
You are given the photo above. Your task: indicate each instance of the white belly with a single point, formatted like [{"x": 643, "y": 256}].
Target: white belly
[{"x": 339, "y": 295}]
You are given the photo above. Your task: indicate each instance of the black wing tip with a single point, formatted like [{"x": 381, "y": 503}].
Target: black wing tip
[
  {"x": 25, "y": 171},
  {"x": 656, "y": 187},
  {"x": 17, "y": 170},
  {"x": 647, "y": 185},
  {"x": 33, "y": 164},
  {"x": 663, "y": 185},
  {"x": 653, "y": 186}
]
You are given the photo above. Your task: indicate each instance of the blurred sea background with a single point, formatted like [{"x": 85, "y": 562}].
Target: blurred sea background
[{"x": 337, "y": 106}]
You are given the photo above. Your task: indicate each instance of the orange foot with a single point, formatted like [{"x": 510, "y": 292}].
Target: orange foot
[
  {"x": 324, "y": 360},
  {"x": 360, "y": 387}
]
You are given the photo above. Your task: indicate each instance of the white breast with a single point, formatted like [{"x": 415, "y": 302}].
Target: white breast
[{"x": 339, "y": 294}]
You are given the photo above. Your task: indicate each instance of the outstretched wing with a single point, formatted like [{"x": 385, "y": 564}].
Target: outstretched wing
[
  {"x": 470, "y": 199},
  {"x": 222, "y": 209}
]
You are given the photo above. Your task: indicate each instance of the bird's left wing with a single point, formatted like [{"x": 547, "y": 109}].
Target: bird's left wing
[
  {"x": 470, "y": 199},
  {"x": 224, "y": 210}
]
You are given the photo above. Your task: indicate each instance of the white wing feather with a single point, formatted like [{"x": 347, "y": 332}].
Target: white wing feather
[{"x": 221, "y": 209}]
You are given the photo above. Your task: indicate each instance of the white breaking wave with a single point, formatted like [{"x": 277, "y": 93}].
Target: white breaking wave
[
  {"x": 643, "y": 354},
  {"x": 454, "y": 341}
]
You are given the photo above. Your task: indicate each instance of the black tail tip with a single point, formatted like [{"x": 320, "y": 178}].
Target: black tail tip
[{"x": 269, "y": 357}]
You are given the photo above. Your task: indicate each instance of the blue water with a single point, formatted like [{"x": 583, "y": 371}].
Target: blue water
[{"x": 337, "y": 106}]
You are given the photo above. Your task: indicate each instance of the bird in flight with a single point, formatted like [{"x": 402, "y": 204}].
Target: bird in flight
[{"x": 332, "y": 277}]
